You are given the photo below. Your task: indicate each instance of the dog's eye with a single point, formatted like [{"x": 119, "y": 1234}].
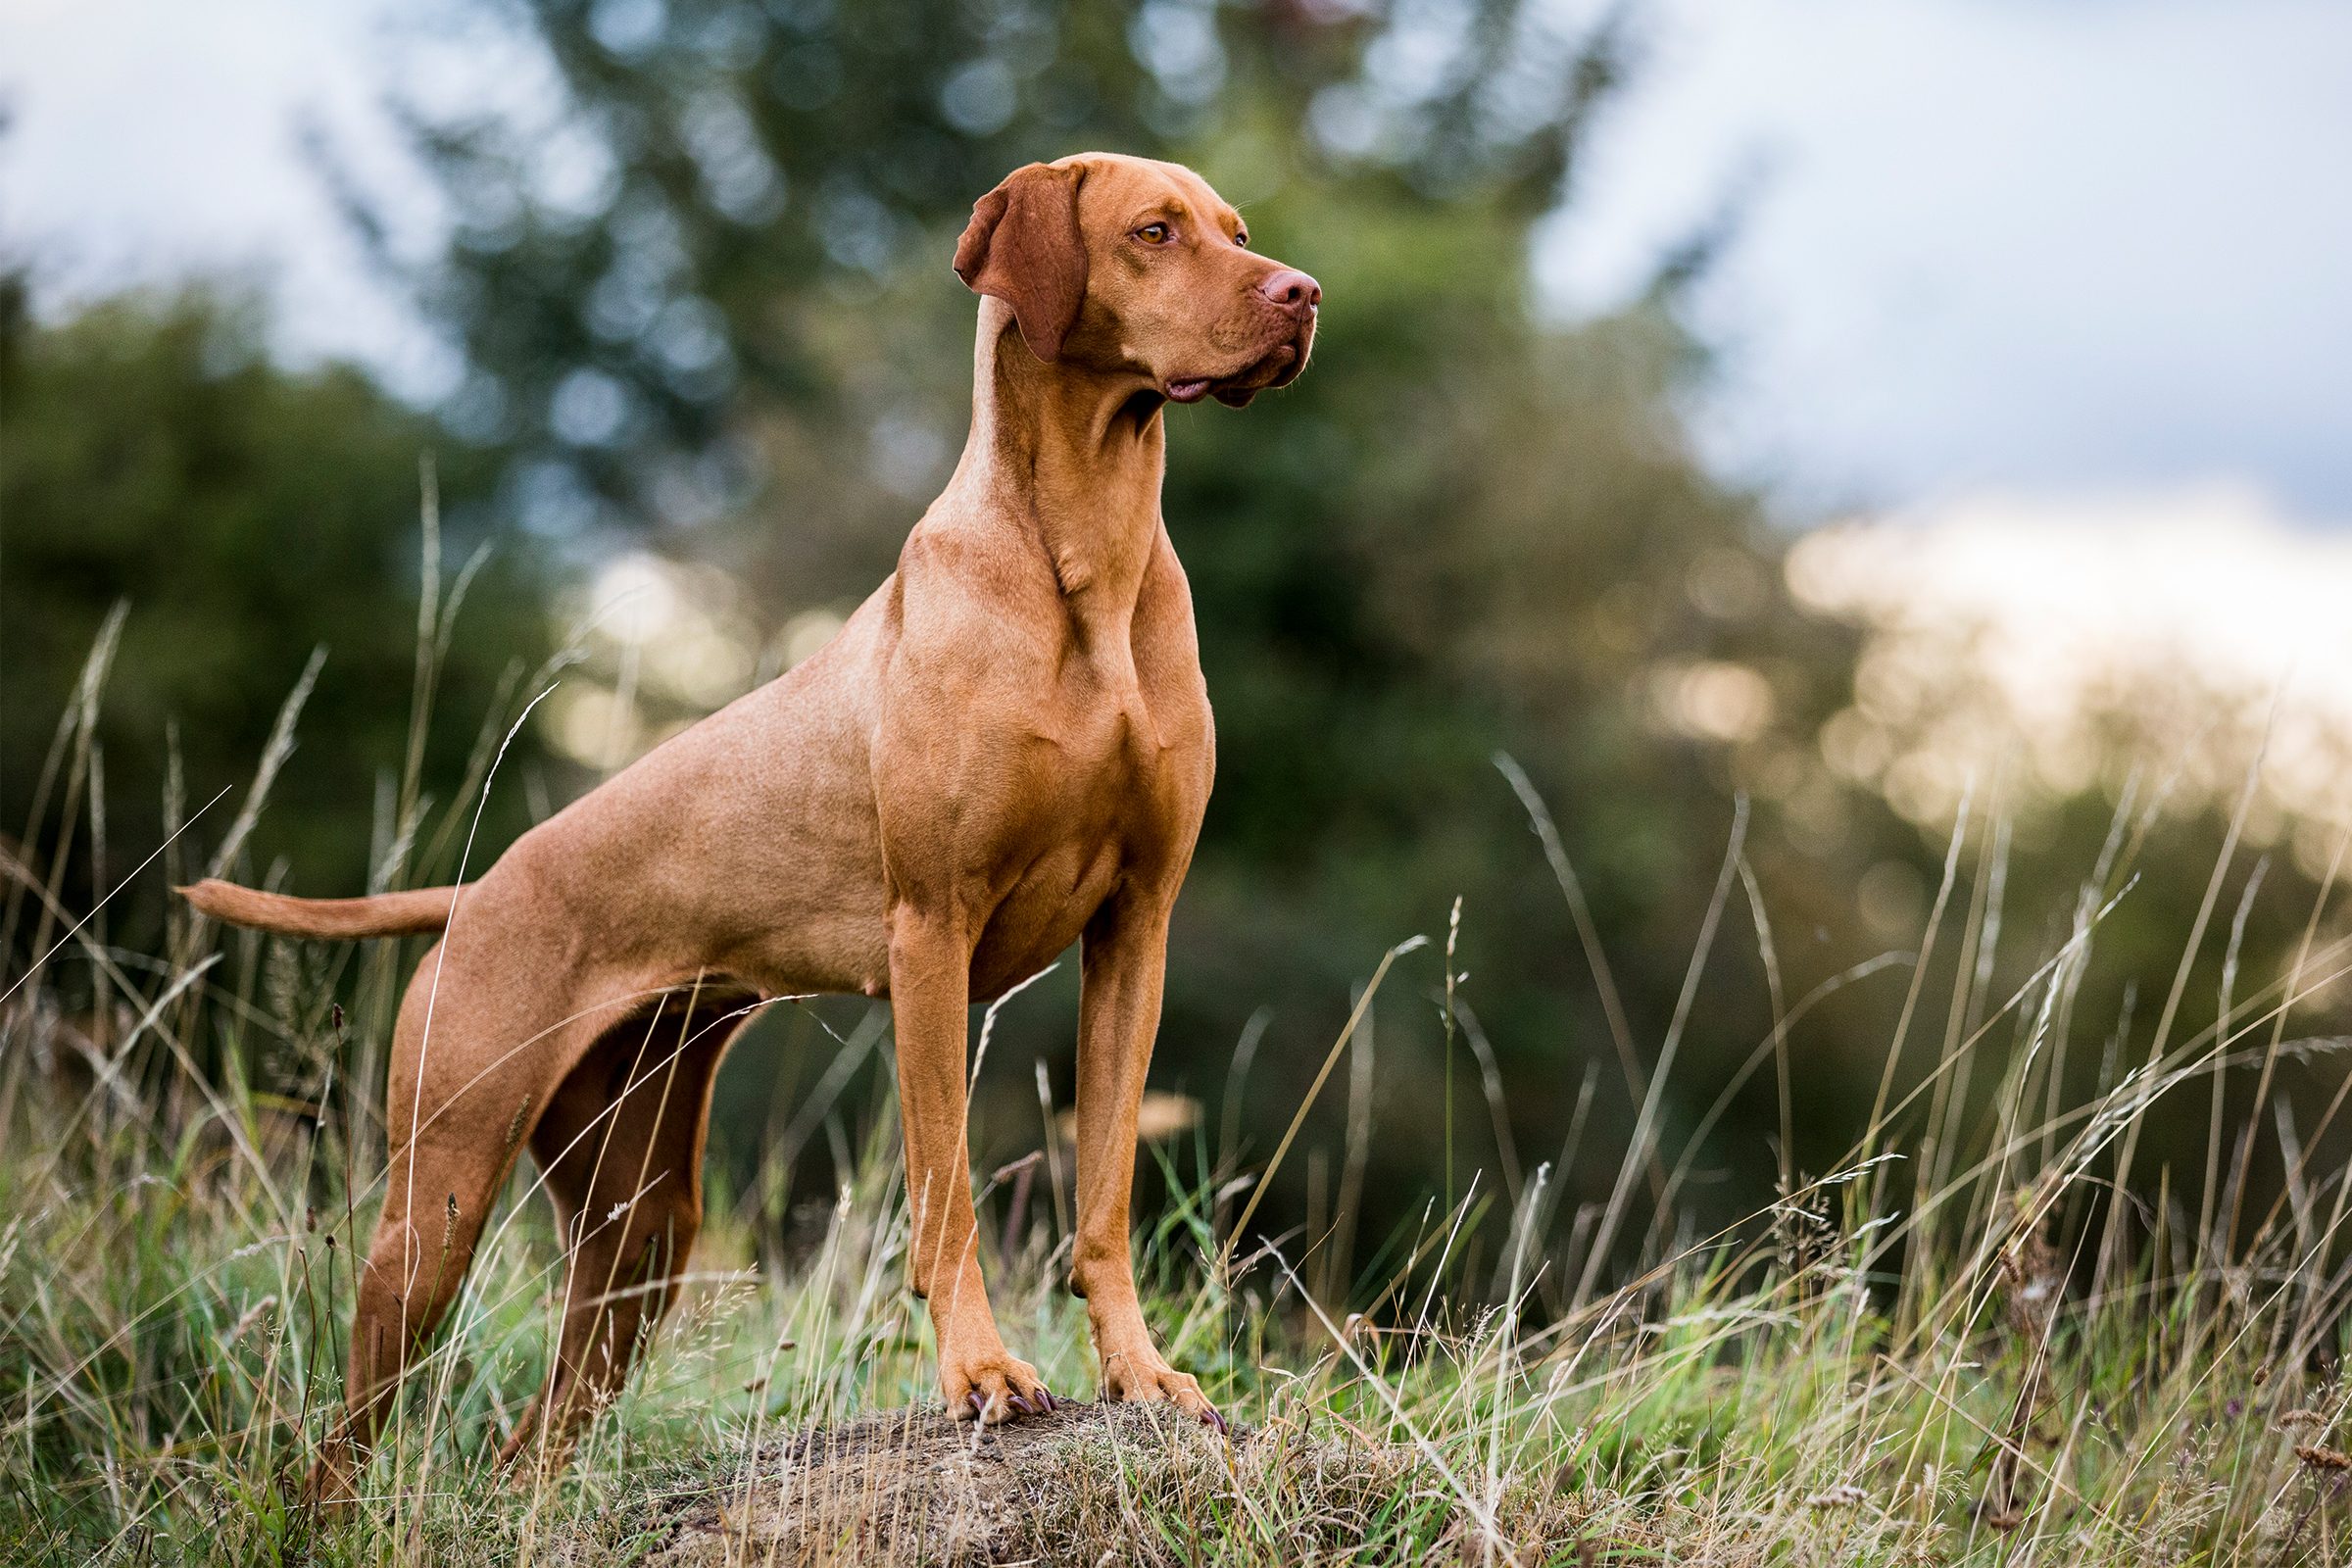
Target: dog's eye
[
  {"x": 1155, "y": 233},
  {"x": 1241, "y": 239}
]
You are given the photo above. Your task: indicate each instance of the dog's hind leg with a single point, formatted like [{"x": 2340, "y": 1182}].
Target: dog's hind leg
[
  {"x": 483, "y": 1036},
  {"x": 621, "y": 1146}
]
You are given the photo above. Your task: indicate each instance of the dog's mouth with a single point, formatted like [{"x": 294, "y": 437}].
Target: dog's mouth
[{"x": 1278, "y": 367}]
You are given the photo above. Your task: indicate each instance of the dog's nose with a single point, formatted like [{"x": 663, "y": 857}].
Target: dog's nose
[{"x": 1291, "y": 289}]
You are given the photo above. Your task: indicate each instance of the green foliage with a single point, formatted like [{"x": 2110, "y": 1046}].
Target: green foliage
[
  {"x": 1469, "y": 529},
  {"x": 244, "y": 516}
]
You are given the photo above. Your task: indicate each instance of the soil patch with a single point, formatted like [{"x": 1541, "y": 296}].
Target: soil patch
[{"x": 1088, "y": 1484}]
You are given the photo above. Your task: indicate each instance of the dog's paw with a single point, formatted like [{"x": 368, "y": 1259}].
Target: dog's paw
[
  {"x": 1145, "y": 1378},
  {"x": 993, "y": 1389}
]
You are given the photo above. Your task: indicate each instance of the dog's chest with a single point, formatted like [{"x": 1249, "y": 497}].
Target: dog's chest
[
  {"x": 1121, "y": 767},
  {"x": 1115, "y": 790}
]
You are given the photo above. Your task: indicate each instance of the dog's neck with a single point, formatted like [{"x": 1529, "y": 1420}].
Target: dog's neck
[{"x": 1072, "y": 456}]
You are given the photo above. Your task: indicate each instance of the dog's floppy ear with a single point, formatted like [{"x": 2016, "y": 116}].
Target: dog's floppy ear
[{"x": 1023, "y": 246}]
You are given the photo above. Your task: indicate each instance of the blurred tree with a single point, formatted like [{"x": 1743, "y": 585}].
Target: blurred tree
[
  {"x": 696, "y": 234},
  {"x": 718, "y": 316},
  {"x": 244, "y": 516}
]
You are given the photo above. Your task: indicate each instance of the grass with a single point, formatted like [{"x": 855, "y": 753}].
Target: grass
[{"x": 1931, "y": 1355}]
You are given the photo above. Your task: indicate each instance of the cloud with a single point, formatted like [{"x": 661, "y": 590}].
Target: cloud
[
  {"x": 2180, "y": 632},
  {"x": 1997, "y": 244}
]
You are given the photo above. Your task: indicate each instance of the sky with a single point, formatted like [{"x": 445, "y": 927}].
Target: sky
[
  {"x": 2090, "y": 248},
  {"x": 1985, "y": 243}
]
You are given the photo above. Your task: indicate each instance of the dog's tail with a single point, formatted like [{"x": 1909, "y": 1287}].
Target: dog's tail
[{"x": 387, "y": 914}]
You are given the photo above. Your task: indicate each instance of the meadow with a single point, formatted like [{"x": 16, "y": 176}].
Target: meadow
[{"x": 1943, "y": 1349}]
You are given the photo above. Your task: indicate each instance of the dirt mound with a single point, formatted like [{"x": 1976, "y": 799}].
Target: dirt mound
[
  {"x": 1089, "y": 1483},
  {"x": 917, "y": 1486}
]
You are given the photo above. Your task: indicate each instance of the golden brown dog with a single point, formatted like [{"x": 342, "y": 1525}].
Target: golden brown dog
[{"x": 1007, "y": 749}]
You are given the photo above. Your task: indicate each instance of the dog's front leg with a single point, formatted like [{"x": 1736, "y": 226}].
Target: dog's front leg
[
  {"x": 1125, "y": 960},
  {"x": 930, "y": 984}
]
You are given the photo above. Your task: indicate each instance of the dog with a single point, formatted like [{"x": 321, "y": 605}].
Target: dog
[{"x": 1007, "y": 748}]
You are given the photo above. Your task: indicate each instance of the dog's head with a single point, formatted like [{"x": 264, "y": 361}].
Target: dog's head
[{"x": 1130, "y": 267}]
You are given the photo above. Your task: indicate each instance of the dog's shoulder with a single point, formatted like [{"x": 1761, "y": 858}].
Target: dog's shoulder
[{"x": 971, "y": 576}]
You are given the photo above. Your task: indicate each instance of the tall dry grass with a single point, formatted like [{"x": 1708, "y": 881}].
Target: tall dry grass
[{"x": 1931, "y": 1353}]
